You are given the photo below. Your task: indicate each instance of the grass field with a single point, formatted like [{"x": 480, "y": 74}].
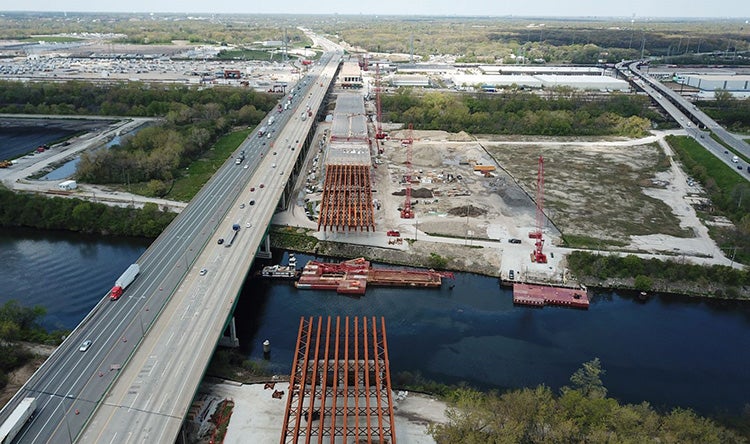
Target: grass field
[
  {"x": 202, "y": 169},
  {"x": 594, "y": 193}
]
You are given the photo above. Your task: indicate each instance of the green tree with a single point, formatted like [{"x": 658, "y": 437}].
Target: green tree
[
  {"x": 643, "y": 283},
  {"x": 436, "y": 261},
  {"x": 587, "y": 379}
]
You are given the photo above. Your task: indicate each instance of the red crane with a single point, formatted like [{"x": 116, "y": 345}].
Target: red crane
[
  {"x": 406, "y": 211},
  {"x": 379, "y": 134},
  {"x": 537, "y": 255}
]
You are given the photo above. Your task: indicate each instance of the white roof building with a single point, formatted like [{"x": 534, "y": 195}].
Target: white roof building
[{"x": 714, "y": 82}]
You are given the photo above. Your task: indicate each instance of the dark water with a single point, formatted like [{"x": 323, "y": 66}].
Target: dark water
[
  {"x": 669, "y": 351},
  {"x": 67, "y": 169},
  {"x": 66, "y": 273},
  {"x": 17, "y": 141}
]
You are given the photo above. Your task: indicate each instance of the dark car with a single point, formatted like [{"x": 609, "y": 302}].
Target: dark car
[
  {"x": 514, "y": 241},
  {"x": 220, "y": 241},
  {"x": 511, "y": 275},
  {"x": 739, "y": 167},
  {"x": 252, "y": 202}
]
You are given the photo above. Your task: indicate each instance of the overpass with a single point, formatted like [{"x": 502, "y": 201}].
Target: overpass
[
  {"x": 694, "y": 121},
  {"x": 150, "y": 349}
]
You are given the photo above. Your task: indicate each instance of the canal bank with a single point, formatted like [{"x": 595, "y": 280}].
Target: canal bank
[
  {"x": 669, "y": 351},
  {"x": 470, "y": 257}
]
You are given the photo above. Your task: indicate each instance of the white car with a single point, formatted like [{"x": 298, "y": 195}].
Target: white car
[
  {"x": 85, "y": 345},
  {"x": 204, "y": 271}
]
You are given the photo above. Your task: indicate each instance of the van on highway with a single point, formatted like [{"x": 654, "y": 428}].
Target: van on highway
[{"x": 735, "y": 159}]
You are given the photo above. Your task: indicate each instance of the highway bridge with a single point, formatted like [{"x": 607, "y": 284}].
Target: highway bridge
[
  {"x": 150, "y": 349},
  {"x": 694, "y": 121}
]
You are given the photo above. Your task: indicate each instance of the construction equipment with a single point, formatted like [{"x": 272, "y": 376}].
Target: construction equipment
[
  {"x": 406, "y": 211},
  {"x": 537, "y": 255}
]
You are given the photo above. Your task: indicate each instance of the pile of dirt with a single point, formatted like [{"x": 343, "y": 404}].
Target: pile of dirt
[
  {"x": 467, "y": 210},
  {"x": 419, "y": 193},
  {"x": 460, "y": 137}
]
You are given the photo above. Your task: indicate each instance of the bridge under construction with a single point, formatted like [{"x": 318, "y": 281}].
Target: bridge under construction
[
  {"x": 347, "y": 189},
  {"x": 340, "y": 386}
]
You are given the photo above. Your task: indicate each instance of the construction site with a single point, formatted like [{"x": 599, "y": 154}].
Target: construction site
[{"x": 391, "y": 186}]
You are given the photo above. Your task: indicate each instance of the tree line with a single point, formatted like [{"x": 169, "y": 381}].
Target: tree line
[
  {"x": 194, "y": 118},
  {"x": 564, "y": 113},
  {"x": 58, "y": 213},
  {"x": 580, "y": 413},
  {"x": 732, "y": 113},
  {"x": 654, "y": 273},
  {"x": 728, "y": 191},
  {"x": 18, "y": 323}
]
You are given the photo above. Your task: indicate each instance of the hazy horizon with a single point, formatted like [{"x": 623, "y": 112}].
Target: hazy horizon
[{"x": 635, "y": 10}]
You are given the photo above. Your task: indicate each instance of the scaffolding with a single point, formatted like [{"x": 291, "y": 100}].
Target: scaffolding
[
  {"x": 340, "y": 386},
  {"x": 347, "y": 199}
]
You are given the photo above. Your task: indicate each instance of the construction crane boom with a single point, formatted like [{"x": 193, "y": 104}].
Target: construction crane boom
[
  {"x": 406, "y": 211},
  {"x": 379, "y": 134},
  {"x": 537, "y": 255}
]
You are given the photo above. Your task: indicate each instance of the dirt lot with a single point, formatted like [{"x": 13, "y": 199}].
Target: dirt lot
[
  {"x": 18, "y": 377},
  {"x": 599, "y": 192}
]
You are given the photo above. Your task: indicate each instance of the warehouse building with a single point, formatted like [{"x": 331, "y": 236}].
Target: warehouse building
[{"x": 739, "y": 83}]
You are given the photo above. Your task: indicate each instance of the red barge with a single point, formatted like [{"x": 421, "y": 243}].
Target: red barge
[
  {"x": 353, "y": 276},
  {"x": 541, "y": 295}
]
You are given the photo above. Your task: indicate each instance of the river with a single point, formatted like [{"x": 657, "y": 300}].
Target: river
[{"x": 667, "y": 350}]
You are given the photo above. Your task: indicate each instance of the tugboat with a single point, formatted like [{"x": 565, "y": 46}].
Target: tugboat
[{"x": 282, "y": 271}]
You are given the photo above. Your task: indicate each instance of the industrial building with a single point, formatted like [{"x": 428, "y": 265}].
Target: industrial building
[
  {"x": 738, "y": 83},
  {"x": 540, "y": 69},
  {"x": 463, "y": 81},
  {"x": 410, "y": 81},
  {"x": 584, "y": 82},
  {"x": 346, "y": 203}
]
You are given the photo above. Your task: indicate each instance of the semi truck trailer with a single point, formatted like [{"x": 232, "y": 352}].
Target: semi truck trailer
[
  {"x": 123, "y": 281},
  {"x": 15, "y": 422}
]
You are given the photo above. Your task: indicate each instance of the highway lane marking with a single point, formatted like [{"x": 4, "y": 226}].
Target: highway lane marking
[{"x": 173, "y": 310}]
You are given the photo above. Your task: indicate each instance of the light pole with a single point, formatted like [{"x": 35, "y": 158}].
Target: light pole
[{"x": 65, "y": 413}]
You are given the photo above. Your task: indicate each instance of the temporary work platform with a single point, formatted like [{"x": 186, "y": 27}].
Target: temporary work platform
[
  {"x": 347, "y": 199},
  {"x": 340, "y": 386}
]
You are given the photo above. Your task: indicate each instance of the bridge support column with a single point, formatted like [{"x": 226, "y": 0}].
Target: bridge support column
[
  {"x": 264, "y": 252},
  {"x": 231, "y": 340}
]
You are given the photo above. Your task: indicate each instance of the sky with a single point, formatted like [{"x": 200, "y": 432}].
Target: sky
[{"x": 738, "y": 9}]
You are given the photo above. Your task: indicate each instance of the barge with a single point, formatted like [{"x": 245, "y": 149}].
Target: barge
[
  {"x": 541, "y": 295},
  {"x": 353, "y": 276},
  {"x": 282, "y": 271}
]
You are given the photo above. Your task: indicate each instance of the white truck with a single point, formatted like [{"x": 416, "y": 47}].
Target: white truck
[{"x": 15, "y": 422}]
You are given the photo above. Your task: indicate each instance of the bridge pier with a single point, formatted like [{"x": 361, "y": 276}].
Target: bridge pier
[
  {"x": 232, "y": 340},
  {"x": 264, "y": 252}
]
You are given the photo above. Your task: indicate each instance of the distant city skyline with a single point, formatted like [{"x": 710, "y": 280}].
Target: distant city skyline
[{"x": 635, "y": 9}]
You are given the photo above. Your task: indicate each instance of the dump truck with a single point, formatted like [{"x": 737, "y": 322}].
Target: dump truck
[
  {"x": 17, "y": 419},
  {"x": 123, "y": 281}
]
